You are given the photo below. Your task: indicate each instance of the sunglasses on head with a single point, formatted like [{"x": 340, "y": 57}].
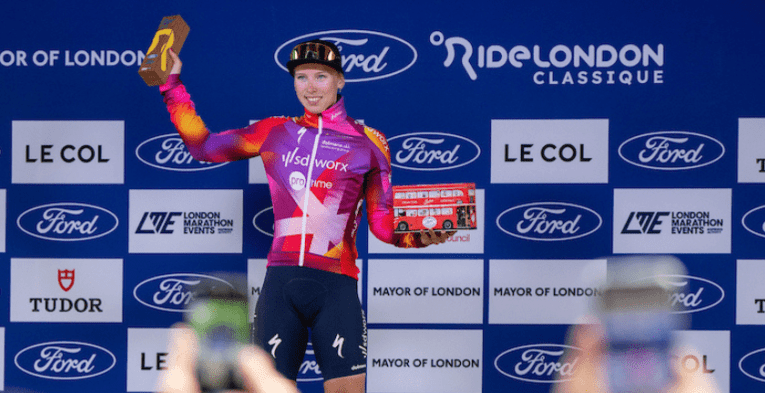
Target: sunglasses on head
[{"x": 312, "y": 51}]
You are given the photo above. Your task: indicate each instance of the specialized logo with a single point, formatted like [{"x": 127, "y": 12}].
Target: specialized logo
[
  {"x": 671, "y": 150},
  {"x": 432, "y": 151},
  {"x": 264, "y": 221},
  {"x": 561, "y": 64},
  {"x": 67, "y": 222},
  {"x": 366, "y": 55},
  {"x": 274, "y": 343},
  {"x": 168, "y": 152},
  {"x": 689, "y": 294},
  {"x": 538, "y": 363},
  {"x": 172, "y": 292},
  {"x": 66, "y": 279},
  {"x": 206, "y": 223},
  {"x": 678, "y": 222},
  {"x": 754, "y": 221},
  {"x": 549, "y": 221},
  {"x": 338, "y": 343},
  {"x": 752, "y": 365},
  {"x": 65, "y": 360}
]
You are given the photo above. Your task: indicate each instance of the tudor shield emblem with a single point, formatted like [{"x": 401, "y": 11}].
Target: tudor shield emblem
[{"x": 66, "y": 279}]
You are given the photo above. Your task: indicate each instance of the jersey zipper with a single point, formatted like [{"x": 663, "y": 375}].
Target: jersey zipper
[{"x": 311, "y": 164}]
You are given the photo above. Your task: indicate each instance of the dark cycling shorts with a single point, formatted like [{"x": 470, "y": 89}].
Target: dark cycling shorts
[{"x": 294, "y": 299}]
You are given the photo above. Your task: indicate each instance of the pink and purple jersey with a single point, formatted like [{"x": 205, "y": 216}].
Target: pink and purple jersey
[{"x": 320, "y": 168}]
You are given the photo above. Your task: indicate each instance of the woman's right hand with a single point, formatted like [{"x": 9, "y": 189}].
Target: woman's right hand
[{"x": 176, "y": 62}]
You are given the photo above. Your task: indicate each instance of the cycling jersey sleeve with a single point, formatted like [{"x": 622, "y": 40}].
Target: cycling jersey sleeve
[
  {"x": 231, "y": 145},
  {"x": 379, "y": 196}
]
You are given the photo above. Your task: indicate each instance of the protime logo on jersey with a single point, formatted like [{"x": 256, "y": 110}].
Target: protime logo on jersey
[
  {"x": 168, "y": 152},
  {"x": 367, "y": 55},
  {"x": 68, "y": 152}
]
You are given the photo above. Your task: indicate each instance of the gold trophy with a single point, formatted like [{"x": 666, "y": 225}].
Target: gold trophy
[{"x": 157, "y": 64}]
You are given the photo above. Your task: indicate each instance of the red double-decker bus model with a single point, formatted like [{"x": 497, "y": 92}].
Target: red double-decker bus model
[{"x": 434, "y": 206}]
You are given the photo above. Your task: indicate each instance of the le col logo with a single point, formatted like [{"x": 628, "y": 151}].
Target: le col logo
[
  {"x": 67, "y": 222},
  {"x": 432, "y": 151},
  {"x": 689, "y": 294},
  {"x": 264, "y": 221},
  {"x": 671, "y": 150},
  {"x": 754, "y": 221},
  {"x": 172, "y": 292},
  {"x": 168, "y": 152},
  {"x": 65, "y": 360},
  {"x": 538, "y": 363},
  {"x": 752, "y": 365},
  {"x": 366, "y": 55},
  {"x": 549, "y": 221}
]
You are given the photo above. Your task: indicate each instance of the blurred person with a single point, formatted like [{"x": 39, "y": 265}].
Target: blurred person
[{"x": 320, "y": 168}]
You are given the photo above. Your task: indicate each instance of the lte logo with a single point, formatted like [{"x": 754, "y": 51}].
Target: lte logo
[
  {"x": 159, "y": 222},
  {"x": 66, "y": 279},
  {"x": 646, "y": 222}
]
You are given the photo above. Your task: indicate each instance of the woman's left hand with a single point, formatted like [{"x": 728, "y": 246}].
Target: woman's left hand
[{"x": 431, "y": 237}]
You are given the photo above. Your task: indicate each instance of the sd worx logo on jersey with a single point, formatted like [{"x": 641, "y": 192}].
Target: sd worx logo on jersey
[
  {"x": 367, "y": 55},
  {"x": 168, "y": 152},
  {"x": 67, "y": 222}
]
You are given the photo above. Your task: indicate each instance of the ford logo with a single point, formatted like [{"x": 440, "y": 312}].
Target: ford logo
[
  {"x": 264, "y": 221},
  {"x": 538, "y": 363},
  {"x": 65, "y": 360},
  {"x": 671, "y": 150},
  {"x": 172, "y": 292},
  {"x": 67, "y": 221},
  {"x": 754, "y": 221},
  {"x": 309, "y": 370},
  {"x": 432, "y": 151},
  {"x": 367, "y": 55},
  {"x": 688, "y": 294},
  {"x": 168, "y": 152},
  {"x": 549, "y": 221},
  {"x": 753, "y": 366}
]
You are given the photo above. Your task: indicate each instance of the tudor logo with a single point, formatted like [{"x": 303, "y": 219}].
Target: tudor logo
[
  {"x": 549, "y": 221},
  {"x": 689, "y": 294},
  {"x": 172, "y": 292},
  {"x": 67, "y": 221},
  {"x": 264, "y": 221},
  {"x": 65, "y": 360},
  {"x": 367, "y": 55},
  {"x": 538, "y": 363},
  {"x": 671, "y": 150},
  {"x": 66, "y": 279},
  {"x": 168, "y": 152},
  {"x": 432, "y": 151},
  {"x": 754, "y": 221},
  {"x": 752, "y": 365}
]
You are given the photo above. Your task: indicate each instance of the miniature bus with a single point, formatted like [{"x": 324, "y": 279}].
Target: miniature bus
[{"x": 434, "y": 206}]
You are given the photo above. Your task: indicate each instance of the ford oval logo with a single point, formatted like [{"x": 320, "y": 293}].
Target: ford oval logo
[
  {"x": 432, "y": 151},
  {"x": 367, "y": 55},
  {"x": 264, "y": 221},
  {"x": 172, "y": 292},
  {"x": 168, "y": 152},
  {"x": 538, "y": 363},
  {"x": 549, "y": 221},
  {"x": 689, "y": 294},
  {"x": 67, "y": 221},
  {"x": 671, "y": 150},
  {"x": 754, "y": 221},
  {"x": 752, "y": 365},
  {"x": 65, "y": 360}
]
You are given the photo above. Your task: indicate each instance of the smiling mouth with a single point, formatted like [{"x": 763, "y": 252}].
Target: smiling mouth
[{"x": 313, "y": 100}]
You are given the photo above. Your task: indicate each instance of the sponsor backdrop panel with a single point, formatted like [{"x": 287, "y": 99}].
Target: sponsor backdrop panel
[{"x": 593, "y": 130}]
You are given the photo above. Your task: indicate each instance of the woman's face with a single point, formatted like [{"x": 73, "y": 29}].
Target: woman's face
[{"x": 316, "y": 86}]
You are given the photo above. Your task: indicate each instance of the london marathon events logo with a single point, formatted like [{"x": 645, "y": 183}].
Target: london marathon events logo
[
  {"x": 754, "y": 221},
  {"x": 367, "y": 55},
  {"x": 689, "y": 294},
  {"x": 671, "y": 150},
  {"x": 168, "y": 152},
  {"x": 752, "y": 365},
  {"x": 65, "y": 360},
  {"x": 432, "y": 151},
  {"x": 67, "y": 221},
  {"x": 172, "y": 292},
  {"x": 538, "y": 363},
  {"x": 549, "y": 221}
]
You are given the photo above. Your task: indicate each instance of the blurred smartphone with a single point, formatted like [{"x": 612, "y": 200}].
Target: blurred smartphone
[
  {"x": 219, "y": 317},
  {"x": 639, "y": 323}
]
